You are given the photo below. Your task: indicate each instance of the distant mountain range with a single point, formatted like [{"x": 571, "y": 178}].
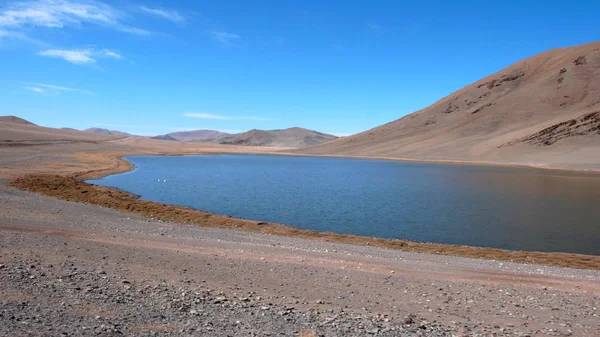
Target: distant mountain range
[
  {"x": 291, "y": 138},
  {"x": 106, "y": 132},
  {"x": 193, "y": 136}
]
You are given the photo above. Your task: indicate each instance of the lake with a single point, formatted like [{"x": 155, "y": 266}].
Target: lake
[{"x": 501, "y": 207}]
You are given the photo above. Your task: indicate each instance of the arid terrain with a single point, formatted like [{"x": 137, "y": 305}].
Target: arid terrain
[
  {"x": 542, "y": 111},
  {"x": 81, "y": 268},
  {"x": 77, "y": 259}
]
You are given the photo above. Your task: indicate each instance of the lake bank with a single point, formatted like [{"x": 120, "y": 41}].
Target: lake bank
[
  {"x": 73, "y": 189},
  {"x": 96, "y": 162}
]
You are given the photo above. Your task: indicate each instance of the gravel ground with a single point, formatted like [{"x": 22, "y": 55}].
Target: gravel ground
[{"x": 76, "y": 269}]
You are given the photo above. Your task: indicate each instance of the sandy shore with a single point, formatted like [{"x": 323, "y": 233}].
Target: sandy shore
[{"x": 84, "y": 269}]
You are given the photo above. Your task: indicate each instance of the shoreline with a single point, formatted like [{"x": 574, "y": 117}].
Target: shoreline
[
  {"x": 549, "y": 168},
  {"x": 73, "y": 188},
  {"x": 69, "y": 265}
]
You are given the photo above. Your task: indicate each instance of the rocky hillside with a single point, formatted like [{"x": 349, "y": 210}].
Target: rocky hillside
[{"x": 544, "y": 109}]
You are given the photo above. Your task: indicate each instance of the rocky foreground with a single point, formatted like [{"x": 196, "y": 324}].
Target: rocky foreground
[
  {"x": 77, "y": 301},
  {"x": 73, "y": 269}
]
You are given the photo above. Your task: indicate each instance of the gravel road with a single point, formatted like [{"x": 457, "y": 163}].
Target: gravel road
[{"x": 75, "y": 269}]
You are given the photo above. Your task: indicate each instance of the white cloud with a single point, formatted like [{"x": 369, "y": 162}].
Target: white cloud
[
  {"x": 73, "y": 56},
  {"x": 63, "y": 13},
  {"x": 224, "y": 118},
  {"x": 206, "y": 116},
  {"x": 35, "y": 89},
  {"x": 165, "y": 14},
  {"x": 110, "y": 53},
  {"x": 81, "y": 56},
  {"x": 225, "y": 37},
  {"x": 134, "y": 30},
  {"x": 55, "y": 88}
]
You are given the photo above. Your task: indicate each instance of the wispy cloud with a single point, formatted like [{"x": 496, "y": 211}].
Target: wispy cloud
[
  {"x": 223, "y": 118},
  {"x": 165, "y": 14},
  {"x": 35, "y": 89},
  {"x": 225, "y": 38},
  {"x": 206, "y": 116},
  {"x": 41, "y": 87},
  {"x": 64, "y": 13},
  {"x": 81, "y": 56},
  {"x": 14, "y": 35},
  {"x": 110, "y": 53},
  {"x": 73, "y": 56}
]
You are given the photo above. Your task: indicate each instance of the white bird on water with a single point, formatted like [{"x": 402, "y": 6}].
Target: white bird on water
[{"x": 164, "y": 181}]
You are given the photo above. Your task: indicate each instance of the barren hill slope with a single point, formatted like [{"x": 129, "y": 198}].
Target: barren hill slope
[
  {"x": 193, "y": 136},
  {"x": 543, "y": 110},
  {"x": 292, "y": 137},
  {"x": 15, "y": 130},
  {"x": 15, "y": 120},
  {"x": 101, "y": 131}
]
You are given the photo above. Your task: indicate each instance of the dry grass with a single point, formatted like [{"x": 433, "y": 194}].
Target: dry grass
[{"x": 72, "y": 189}]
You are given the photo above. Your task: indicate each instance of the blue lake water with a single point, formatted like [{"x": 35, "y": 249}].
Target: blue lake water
[{"x": 500, "y": 207}]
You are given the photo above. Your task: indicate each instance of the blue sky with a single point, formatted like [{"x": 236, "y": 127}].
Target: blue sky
[{"x": 340, "y": 67}]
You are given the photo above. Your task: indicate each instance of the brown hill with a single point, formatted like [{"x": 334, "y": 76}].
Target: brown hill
[
  {"x": 107, "y": 132},
  {"x": 291, "y": 138},
  {"x": 17, "y": 132},
  {"x": 193, "y": 136},
  {"x": 15, "y": 120},
  {"x": 542, "y": 110}
]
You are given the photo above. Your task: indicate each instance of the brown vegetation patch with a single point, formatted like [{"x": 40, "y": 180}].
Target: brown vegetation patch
[
  {"x": 72, "y": 189},
  {"x": 584, "y": 125},
  {"x": 451, "y": 108},
  {"x": 496, "y": 82},
  {"x": 580, "y": 60},
  {"x": 482, "y": 107}
]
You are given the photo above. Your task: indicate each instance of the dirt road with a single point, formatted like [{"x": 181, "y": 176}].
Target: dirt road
[{"x": 82, "y": 269}]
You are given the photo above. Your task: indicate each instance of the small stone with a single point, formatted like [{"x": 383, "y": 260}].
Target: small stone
[
  {"x": 410, "y": 319},
  {"x": 125, "y": 282}
]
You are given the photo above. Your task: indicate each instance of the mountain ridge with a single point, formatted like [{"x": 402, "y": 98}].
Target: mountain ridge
[
  {"x": 294, "y": 137},
  {"x": 107, "y": 132}
]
